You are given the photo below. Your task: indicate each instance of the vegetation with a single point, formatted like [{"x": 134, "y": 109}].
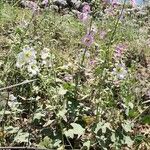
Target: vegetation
[{"x": 72, "y": 81}]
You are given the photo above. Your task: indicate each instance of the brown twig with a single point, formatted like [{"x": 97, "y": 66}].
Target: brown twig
[{"x": 18, "y": 84}]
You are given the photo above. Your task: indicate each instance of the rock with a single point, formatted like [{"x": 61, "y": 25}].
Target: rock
[
  {"x": 74, "y": 3},
  {"x": 44, "y": 3},
  {"x": 29, "y": 4},
  {"x": 54, "y": 7},
  {"x": 60, "y": 3}
]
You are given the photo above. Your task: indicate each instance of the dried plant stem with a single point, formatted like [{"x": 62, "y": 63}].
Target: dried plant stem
[{"x": 18, "y": 84}]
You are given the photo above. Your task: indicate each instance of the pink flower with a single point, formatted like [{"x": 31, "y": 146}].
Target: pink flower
[
  {"x": 114, "y": 2},
  {"x": 102, "y": 34},
  {"x": 92, "y": 62},
  {"x": 86, "y": 9},
  {"x": 88, "y": 40},
  {"x": 120, "y": 48},
  {"x": 83, "y": 17},
  {"x": 133, "y": 3}
]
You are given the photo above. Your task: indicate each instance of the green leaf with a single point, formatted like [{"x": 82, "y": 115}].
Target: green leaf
[
  {"x": 57, "y": 143},
  {"x": 98, "y": 127},
  {"x": 62, "y": 113},
  {"x": 62, "y": 91},
  {"x": 146, "y": 119},
  {"x": 11, "y": 129},
  {"x": 21, "y": 137},
  {"x": 128, "y": 141},
  {"x": 139, "y": 138},
  {"x": 87, "y": 144},
  {"x": 38, "y": 116},
  {"x": 69, "y": 133},
  {"x": 46, "y": 143},
  {"x": 127, "y": 126},
  {"x": 103, "y": 127},
  {"x": 78, "y": 129},
  {"x": 130, "y": 105},
  {"x": 113, "y": 137}
]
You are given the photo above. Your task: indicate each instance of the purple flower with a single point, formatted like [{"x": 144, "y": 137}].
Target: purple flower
[
  {"x": 88, "y": 40},
  {"x": 83, "y": 17},
  {"x": 120, "y": 48},
  {"x": 133, "y": 3},
  {"x": 32, "y": 5},
  {"x": 92, "y": 62},
  {"x": 86, "y": 9},
  {"x": 114, "y": 2},
  {"x": 102, "y": 34}
]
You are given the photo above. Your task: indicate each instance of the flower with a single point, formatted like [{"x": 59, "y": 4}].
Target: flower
[
  {"x": 86, "y": 9},
  {"x": 32, "y": 5},
  {"x": 120, "y": 71},
  {"x": 45, "y": 53},
  {"x": 102, "y": 34},
  {"x": 114, "y": 2},
  {"x": 92, "y": 62},
  {"x": 83, "y": 16},
  {"x": 133, "y": 3},
  {"x": 119, "y": 50},
  {"x": 68, "y": 77},
  {"x": 20, "y": 60},
  {"x": 12, "y": 101},
  {"x": 88, "y": 39},
  {"x": 12, "y": 97},
  {"x": 27, "y": 55},
  {"x": 33, "y": 68}
]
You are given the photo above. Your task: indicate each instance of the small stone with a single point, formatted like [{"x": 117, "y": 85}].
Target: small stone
[{"x": 60, "y": 3}]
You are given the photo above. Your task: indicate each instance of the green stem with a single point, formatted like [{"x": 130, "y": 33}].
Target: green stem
[{"x": 113, "y": 34}]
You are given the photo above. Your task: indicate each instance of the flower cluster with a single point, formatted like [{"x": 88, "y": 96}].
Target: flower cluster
[
  {"x": 119, "y": 71},
  {"x": 28, "y": 58},
  {"x": 44, "y": 56},
  {"x": 88, "y": 39},
  {"x": 119, "y": 50},
  {"x": 84, "y": 15},
  {"x": 27, "y": 55}
]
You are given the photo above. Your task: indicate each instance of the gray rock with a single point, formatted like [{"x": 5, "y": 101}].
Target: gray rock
[
  {"x": 74, "y": 3},
  {"x": 29, "y": 4},
  {"x": 60, "y": 3},
  {"x": 54, "y": 7}
]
